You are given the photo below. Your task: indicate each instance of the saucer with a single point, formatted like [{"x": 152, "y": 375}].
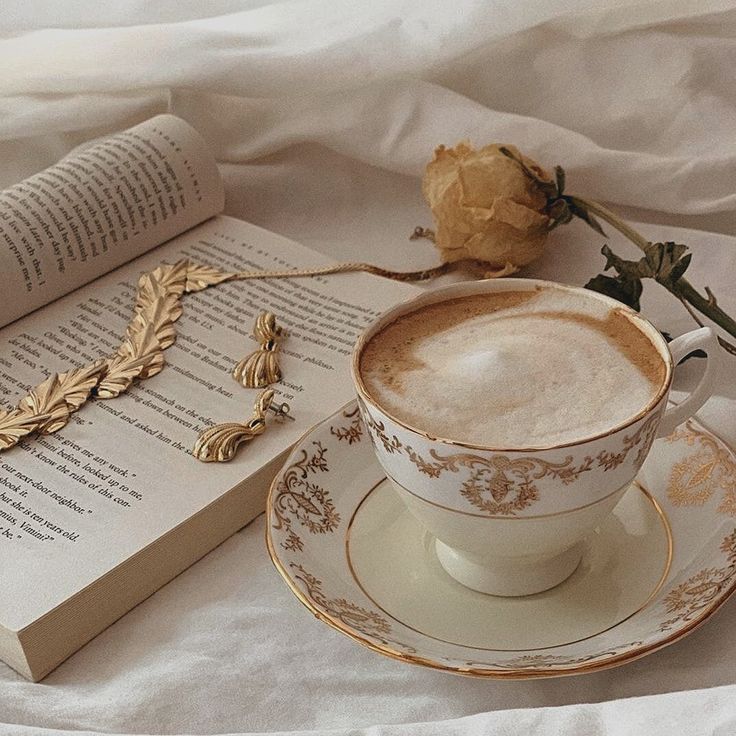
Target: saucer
[{"x": 659, "y": 566}]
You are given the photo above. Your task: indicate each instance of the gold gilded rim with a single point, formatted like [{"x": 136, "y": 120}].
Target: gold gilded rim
[
  {"x": 661, "y": 515},
  {"x": 505, "y": 674},
  {"x": 501, "y": 518},
  {"x": 520, "y": 674},
  {"x": 404, "y": 308}
]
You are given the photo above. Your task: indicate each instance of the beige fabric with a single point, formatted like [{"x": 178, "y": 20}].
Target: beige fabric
[{"x": 322, "y": 115}]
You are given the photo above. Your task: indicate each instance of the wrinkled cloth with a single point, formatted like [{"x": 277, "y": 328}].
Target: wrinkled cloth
[
  {"x": 322, "y": 116},
  {"x": 677, "y": 713}
]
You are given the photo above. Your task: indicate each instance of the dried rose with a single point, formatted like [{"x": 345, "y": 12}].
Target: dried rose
[
  {"x": 486, "y": 207},
  {"x": 496, "y": 205}
]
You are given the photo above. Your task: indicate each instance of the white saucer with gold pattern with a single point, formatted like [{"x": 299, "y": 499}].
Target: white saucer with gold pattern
[{"x": 659, "y": 566}]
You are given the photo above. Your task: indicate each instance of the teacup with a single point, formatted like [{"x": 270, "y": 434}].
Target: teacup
[{"x": 509, "y": 521}]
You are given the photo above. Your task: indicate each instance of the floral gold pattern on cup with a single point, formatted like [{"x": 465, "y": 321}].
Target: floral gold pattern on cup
[{"x": 501, "y": 485}]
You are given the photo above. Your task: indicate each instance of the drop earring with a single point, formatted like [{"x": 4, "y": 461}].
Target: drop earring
[
  {"x": 261, "y": 368},
  {"x": 220, "y": 443}
]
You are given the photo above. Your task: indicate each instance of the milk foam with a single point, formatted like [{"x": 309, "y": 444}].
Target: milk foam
[{"x": 513, "y": 369}]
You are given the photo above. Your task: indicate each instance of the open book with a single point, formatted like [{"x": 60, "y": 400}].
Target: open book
[{"x": 96, "y": 517}]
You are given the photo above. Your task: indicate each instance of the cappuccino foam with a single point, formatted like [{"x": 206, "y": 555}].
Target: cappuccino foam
[{"x": 513, "y": 369}]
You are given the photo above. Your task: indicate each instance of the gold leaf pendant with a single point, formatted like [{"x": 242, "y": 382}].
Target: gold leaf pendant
[{"x": 48, "y": 407}]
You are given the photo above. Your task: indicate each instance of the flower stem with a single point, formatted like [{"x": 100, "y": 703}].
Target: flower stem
[
  {"x": 705, "y": 306},
  {"x": 683, "y": 289},
  {"x": 612, "y": 219}
]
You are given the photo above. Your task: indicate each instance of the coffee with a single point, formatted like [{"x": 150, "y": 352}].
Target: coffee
[{"x": 514, "y": 369}]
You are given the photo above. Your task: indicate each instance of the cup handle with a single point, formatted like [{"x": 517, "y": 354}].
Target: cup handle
[{"x": 703, "y": 339}]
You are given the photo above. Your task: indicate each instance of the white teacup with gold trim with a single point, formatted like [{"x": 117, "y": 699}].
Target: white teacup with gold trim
[{"x": 512, "y": 415}]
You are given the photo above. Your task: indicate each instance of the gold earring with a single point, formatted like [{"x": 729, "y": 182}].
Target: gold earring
[
  {"x": 261, "y": 368},
  {"x": 220, "y": 443}
]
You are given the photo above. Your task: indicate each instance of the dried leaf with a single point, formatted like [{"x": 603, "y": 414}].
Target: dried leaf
[
  {"x": 679, "y": 268},
  {"x": 667, "y": 262},
  {"x": 587, "y": 218},
  {"x": 663, "y": 262},
  {"x": 622, "y": 288},
  {"x": 641, "y": 269},
  {"x": 560, "y": 180}
]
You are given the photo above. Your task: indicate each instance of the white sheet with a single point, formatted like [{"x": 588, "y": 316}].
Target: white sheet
[{"x": 322, "y": 115}]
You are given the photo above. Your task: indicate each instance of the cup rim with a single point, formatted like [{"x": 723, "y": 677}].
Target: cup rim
[{"x": 507, "y": 284}]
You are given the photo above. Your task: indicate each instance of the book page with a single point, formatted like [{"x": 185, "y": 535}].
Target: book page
[
  {"x": 100, "y": 207},
  {"x": 75, "y": 504}
]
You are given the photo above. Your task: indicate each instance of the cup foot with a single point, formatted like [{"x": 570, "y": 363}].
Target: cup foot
[{"x": 509, "y": 576}]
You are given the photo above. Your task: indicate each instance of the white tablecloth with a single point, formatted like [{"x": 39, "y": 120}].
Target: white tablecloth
[{"x": 322, "y": 115}]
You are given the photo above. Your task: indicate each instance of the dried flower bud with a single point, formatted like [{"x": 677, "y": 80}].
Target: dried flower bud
[{"x": 486, "y": 207}]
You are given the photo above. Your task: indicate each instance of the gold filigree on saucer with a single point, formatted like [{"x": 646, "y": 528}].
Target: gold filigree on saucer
[
  {"x": 688, "y": 599},
  {"x": 690, "y": 575},
  {"x": 696, "y": 478},
  {"x": 299, "y": 499},
  {"x": 352, "y": 432}
]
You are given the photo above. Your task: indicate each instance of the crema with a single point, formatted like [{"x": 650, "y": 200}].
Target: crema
[{"x": 514, "y": 369}]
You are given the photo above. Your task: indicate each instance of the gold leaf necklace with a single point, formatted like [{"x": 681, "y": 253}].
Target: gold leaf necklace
[{"x": 49, "y": 406}]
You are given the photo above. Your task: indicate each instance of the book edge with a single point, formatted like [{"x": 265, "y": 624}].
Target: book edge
[
  {"x": 12, "y": 652},
  {"x": 46, "y": 642}
]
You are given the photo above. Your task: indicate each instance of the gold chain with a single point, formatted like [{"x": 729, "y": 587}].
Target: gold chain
[{"x": 424, "y": 275}]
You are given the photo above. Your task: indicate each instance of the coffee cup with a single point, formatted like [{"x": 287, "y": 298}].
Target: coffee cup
[{"x": 512, "y": 415}]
